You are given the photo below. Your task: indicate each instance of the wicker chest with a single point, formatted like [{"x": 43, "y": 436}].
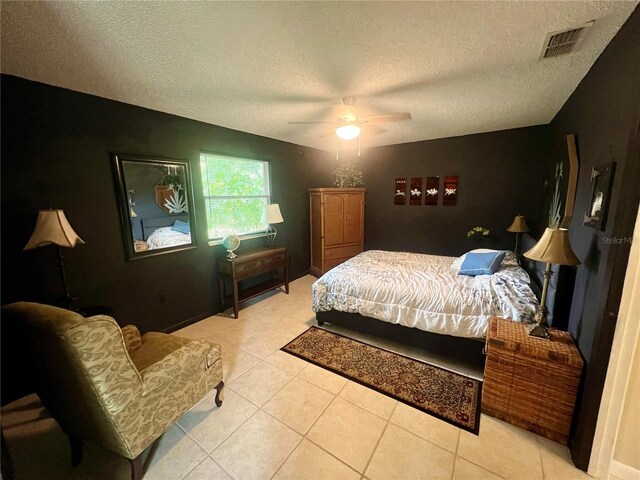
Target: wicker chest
[{"x": 531, "y": 382}]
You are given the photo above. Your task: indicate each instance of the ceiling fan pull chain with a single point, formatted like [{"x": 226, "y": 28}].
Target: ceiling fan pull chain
[
  {"x": 359, "y": 145},
  {"x": 337, "y": 148}
]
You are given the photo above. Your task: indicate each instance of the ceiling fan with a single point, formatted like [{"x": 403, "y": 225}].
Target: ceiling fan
[{"x": 349, "y": 123}]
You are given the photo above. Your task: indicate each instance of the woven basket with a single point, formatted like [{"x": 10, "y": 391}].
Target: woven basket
[{"x": 531, "y": 382}]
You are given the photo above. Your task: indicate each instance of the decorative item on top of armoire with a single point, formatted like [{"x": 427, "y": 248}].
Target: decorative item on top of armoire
[
  {"x": 450, "y": 196},
  {"x": 601, "y": 182},
  {"x": 518, "y": 226},
  {"x": 272, "y": 215},
  {"x": 415, "y": 189},
  {"x": 552, "y": 248},
  {"x": 53, "y": 228},
  {"x": 400, "y": 195},
  {"x": 337, "y": 226},
  {"x": 348, "y": 176},
  {"x": 432, "y": 188}
]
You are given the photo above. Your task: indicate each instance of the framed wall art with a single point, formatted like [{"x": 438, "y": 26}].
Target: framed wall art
[
  {"x": 431, "y": 191},
  {"x": 400, "y": 195},
  {"x": 416, "y": 191},
  {"x": 601, "y": 181},
  {"x": 450, "y": 196}
]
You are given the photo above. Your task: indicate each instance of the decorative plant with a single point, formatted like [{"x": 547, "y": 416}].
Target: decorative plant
[
  {"x": 476, "y": 232},
  {"x": 556, "y": 201},
  {"x": 347, "y": 176},
  {"x": 172, "y": 181}
]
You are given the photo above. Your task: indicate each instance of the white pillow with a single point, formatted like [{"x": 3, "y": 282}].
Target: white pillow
[{"x": 457, "y": 263}]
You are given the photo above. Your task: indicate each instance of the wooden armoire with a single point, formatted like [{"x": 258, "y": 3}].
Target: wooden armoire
[{"x": 337, "y": 226}]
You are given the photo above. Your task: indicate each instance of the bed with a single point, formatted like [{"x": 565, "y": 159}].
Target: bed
[
  {"x": 422, "y": 292},
  {"x": 167, "y": 237},
  {"x": 159, "y": 232}
]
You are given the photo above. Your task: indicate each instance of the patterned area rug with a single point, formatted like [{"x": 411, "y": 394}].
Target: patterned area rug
[{"x": 449, "y": 396}]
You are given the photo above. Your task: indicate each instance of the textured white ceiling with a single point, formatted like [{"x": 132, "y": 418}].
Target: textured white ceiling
[{"x": 458, "y": 67}]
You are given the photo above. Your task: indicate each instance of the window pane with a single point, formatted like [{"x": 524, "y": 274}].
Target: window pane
[
  {"x": 228, "y": 176},
  {"x": 242, "y": 215},
  {"x": 236, "y": 191}
]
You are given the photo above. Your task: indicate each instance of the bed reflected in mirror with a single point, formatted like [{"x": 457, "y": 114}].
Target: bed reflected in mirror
[{"x": 156, "y": 206}]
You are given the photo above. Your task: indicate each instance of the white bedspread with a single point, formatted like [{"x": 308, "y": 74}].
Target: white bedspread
[
  {"x": 166, "y": 237},
  {"x": 425, "y": 292}
]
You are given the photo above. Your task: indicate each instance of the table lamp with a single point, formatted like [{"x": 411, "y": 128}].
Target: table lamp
[
  {"x": 52, "y": 228},
  {"x": 272, "y": 215},
  {"x": 552, "y": 248},
  {"x": 518, "y": 226}
]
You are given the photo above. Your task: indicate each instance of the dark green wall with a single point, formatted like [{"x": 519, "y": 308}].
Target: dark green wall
[
  {"x": 603, "y": 113},
  {"x": 56, "y": 148},
  {"x": 500, "y": 175}
]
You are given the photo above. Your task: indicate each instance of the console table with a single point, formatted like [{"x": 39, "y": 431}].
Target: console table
[{"x": 251, "y": 264}]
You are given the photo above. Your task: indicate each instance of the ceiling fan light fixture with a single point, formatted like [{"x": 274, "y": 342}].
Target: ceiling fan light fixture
[{"x": 348, "y": 132}]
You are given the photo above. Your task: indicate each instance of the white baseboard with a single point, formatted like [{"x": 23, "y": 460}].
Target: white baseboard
[{"x": 623, "y": 472}]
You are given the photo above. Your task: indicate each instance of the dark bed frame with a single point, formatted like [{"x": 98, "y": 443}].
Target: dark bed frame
[{"x": 467, "y": 349}]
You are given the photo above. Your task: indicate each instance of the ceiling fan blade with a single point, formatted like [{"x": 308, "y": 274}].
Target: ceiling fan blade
[
  {"x": 373, "y": 129},
  {"x": 328, "y": 133},
  {"x": 391, "y": 117},
  {"x": 308, "y": 123}
]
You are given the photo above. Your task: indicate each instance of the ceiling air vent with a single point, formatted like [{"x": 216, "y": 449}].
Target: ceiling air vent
[{"x": 565, "y": 41}]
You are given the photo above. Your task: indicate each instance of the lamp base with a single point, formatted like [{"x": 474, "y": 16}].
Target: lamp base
[
  {"x": 271, "y": 235},
  {"x": 537, "y": 330},
  {"x": 539, "y": 327}
]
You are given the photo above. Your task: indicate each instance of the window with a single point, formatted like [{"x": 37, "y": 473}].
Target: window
[{"x": 236, "y": 191}]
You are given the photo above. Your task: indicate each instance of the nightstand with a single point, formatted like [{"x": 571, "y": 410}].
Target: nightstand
[{"x": 531, "y": 382}]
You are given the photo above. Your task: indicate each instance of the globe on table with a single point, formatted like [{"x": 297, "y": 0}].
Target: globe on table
[{"x": 231, "y": 242}]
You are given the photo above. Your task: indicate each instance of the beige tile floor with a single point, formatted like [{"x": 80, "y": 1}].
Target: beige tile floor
[{"x": 283, "y": 418}]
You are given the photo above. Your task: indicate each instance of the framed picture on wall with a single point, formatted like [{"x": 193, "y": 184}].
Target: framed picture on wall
[
  {"x": 601, "y": 181},
  {"x": 450, "y": 197},
  {"x": 400, "y": 195},
  {"x": 416, "y": 191},
  {"x": 431, "y": 191}
]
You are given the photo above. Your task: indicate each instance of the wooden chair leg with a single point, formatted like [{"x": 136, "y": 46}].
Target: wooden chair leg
[
  {"x": 76, "y": 450},
  {"x": 136, "y": 467},
  {"x": 219, "y": 388}
]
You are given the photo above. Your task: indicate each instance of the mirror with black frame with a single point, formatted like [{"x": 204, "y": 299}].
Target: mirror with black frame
[{"x": 156, "y": 205}]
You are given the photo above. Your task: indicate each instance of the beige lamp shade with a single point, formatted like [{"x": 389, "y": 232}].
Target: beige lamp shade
[
  {"x": 133, "y": 214},
  {"x": 272, "y": 214},
  {"x": 52, "y": 227},
  {"x": 553, "y": 247},
  {"x": 518, "y": 225}
]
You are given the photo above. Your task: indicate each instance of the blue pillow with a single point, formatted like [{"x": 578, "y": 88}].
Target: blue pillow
[
  {"x": 182, "y": 227},
  {"x": 481, "y": 263}
]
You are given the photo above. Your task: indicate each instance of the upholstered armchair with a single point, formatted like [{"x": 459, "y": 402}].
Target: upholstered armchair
[{"x": 109, "y": 385}]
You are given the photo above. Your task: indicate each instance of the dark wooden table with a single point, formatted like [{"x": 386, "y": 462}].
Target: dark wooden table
[{"x": 250, "y": 264}]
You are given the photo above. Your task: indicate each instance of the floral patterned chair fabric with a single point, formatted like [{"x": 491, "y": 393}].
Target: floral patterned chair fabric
[{"x": 109, "y": 385}]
